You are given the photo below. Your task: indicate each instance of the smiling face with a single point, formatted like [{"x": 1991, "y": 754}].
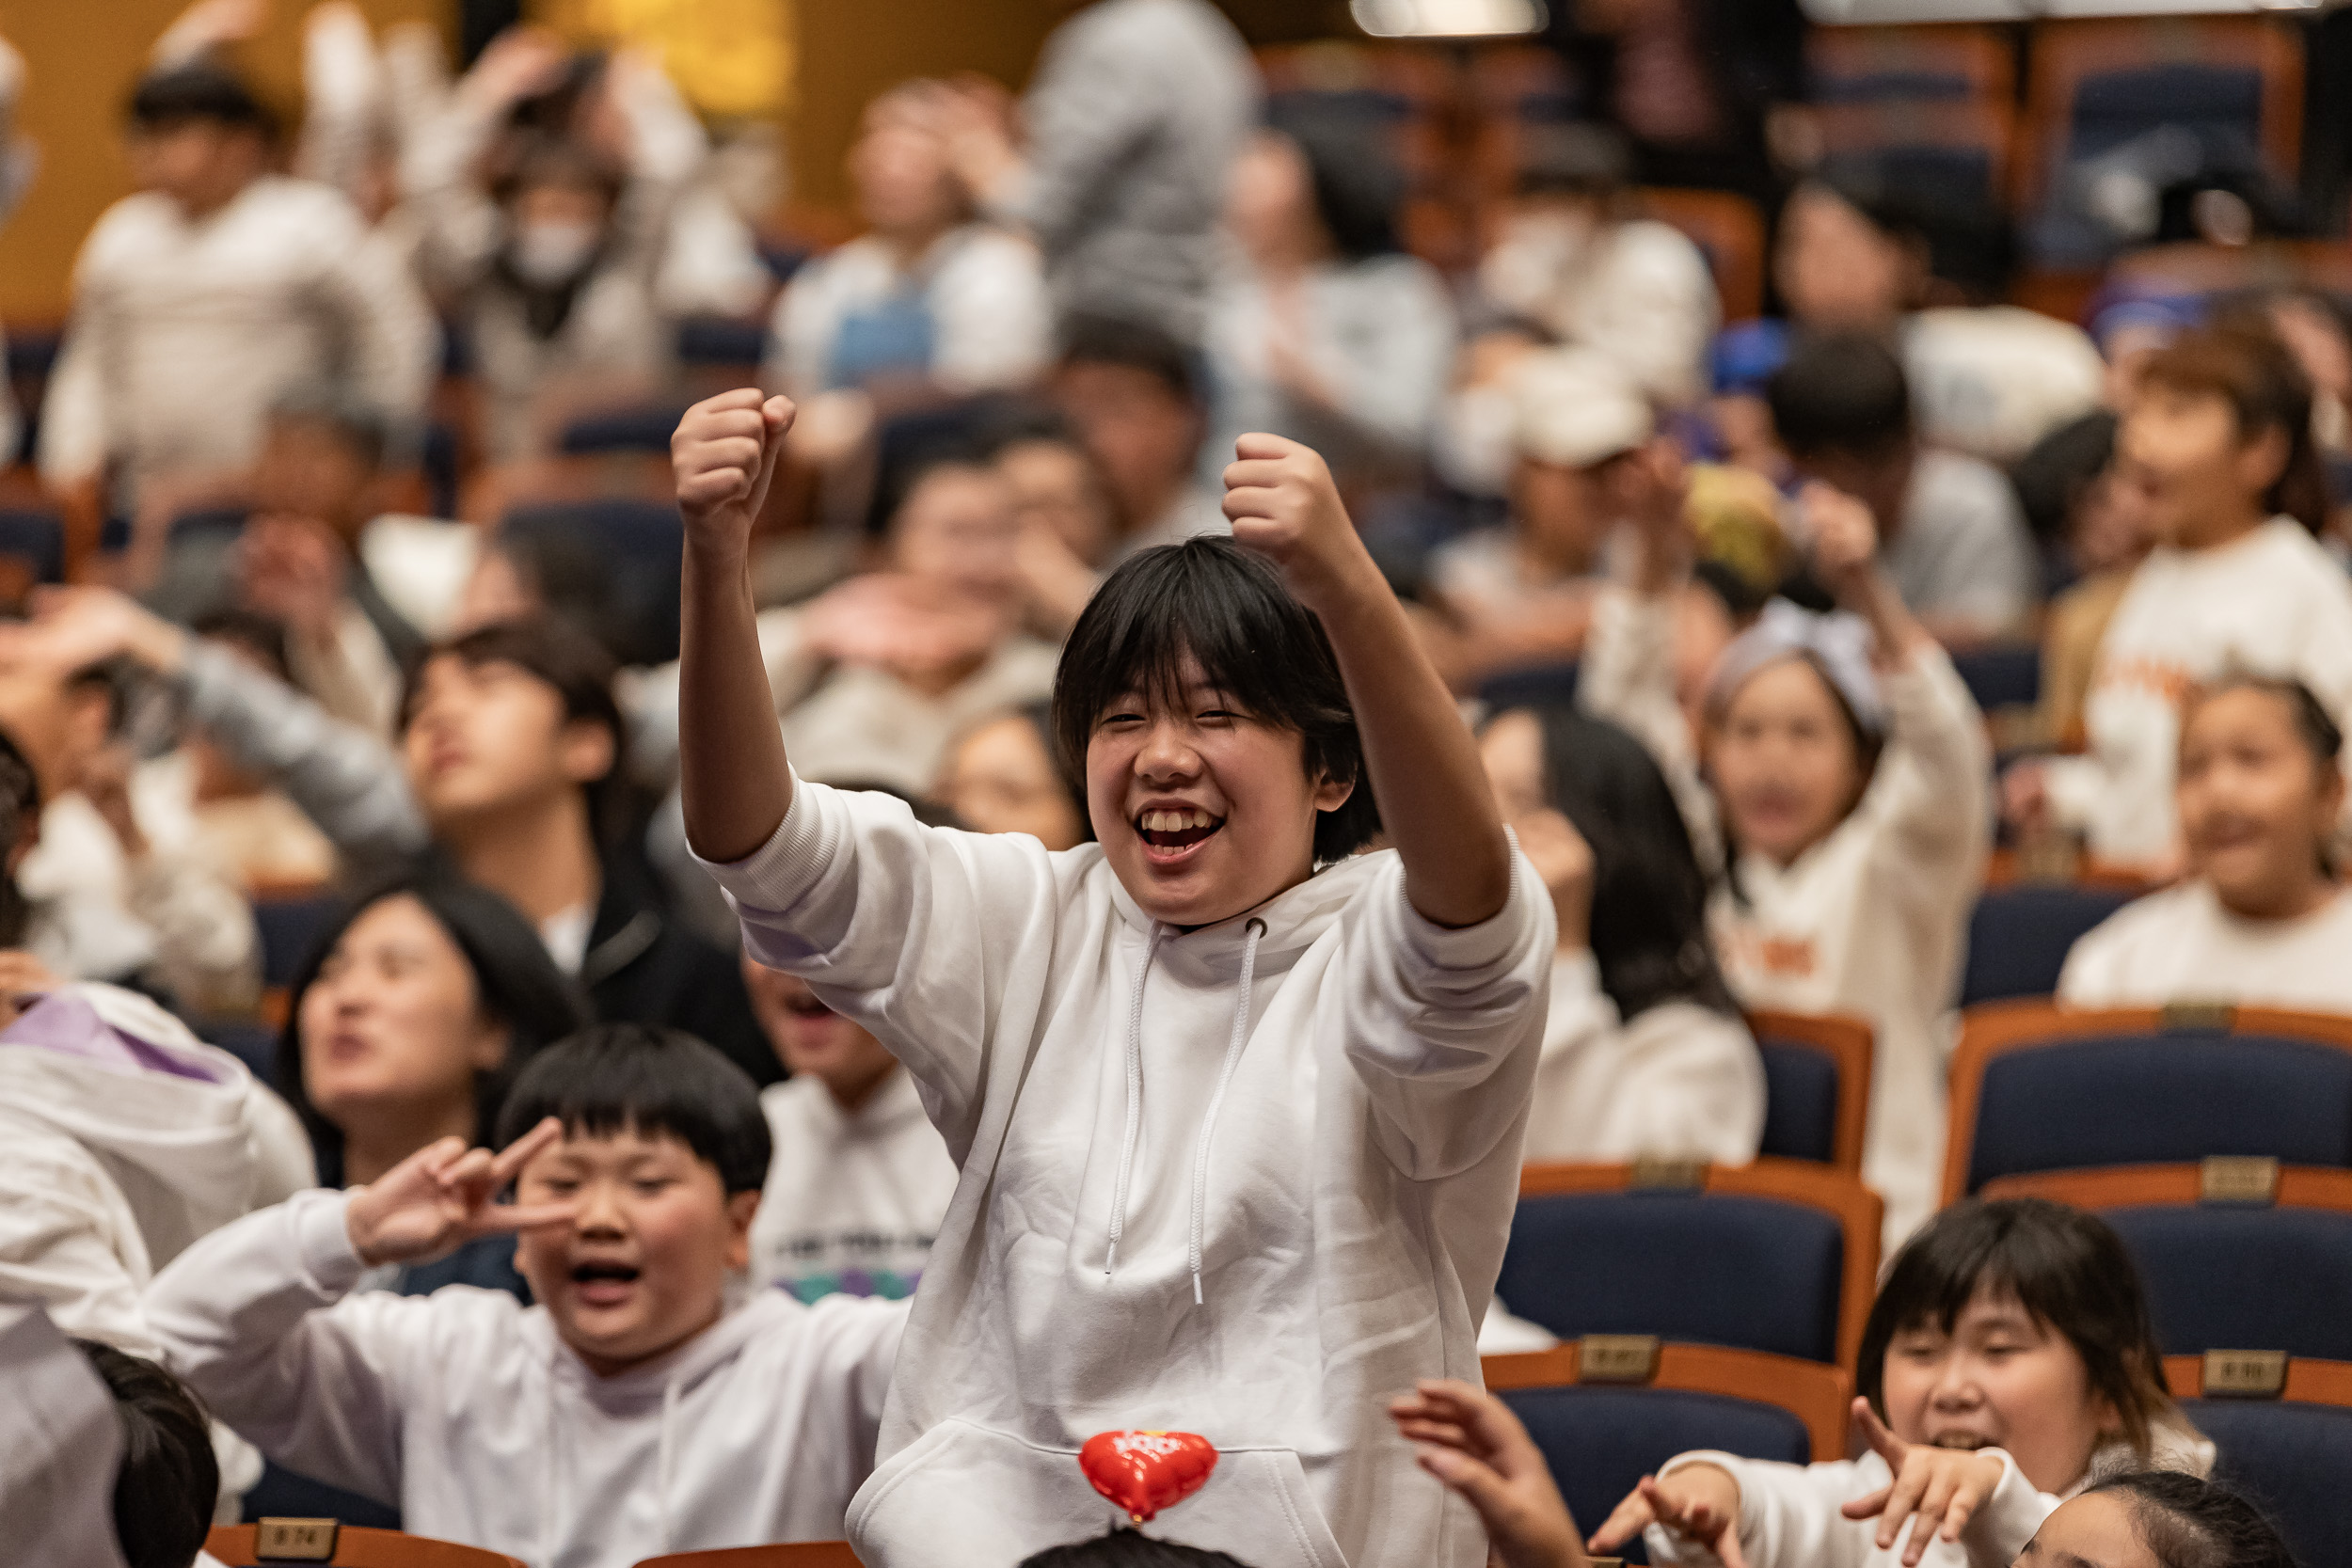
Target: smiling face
[
  {"x": 2256, "y": 806},
  {"x": 1999, "y": 1379},
  {"x": 392, "y": 1029},
  {"x": 1203, "y": 810},
  {"x": 2199, "y": 481},
  {"x": 2093, "y": 1531},
  {"x": 1783, "y": 761},
  {"x": 644, "y": 1265},
  {"x": 491, "y": 737},
  {"x": 810, "y": 1037}
]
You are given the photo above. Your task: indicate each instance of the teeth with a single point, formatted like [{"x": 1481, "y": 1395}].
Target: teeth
[{"x": 1174, "y": 821}]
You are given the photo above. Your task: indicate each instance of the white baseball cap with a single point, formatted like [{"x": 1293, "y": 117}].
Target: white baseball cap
[{"x": 1574, "y": 407}]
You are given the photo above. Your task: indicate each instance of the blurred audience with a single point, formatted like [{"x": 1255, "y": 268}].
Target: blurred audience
[
  {"x": 1321, "y": 328},
  {"x": 1136, "y": 397},
  {"x": 1003, "y": 777}
]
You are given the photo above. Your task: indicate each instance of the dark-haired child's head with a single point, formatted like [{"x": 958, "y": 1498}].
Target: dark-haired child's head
[
  {"x": 1055, "y": 486},
  {"x": 2017, "y": 1324},
  {"x": 2260, "y": 788},
  {"x": 168, "y": 1483},
  {"x": 410, "y": 1018},
  {"x": 1648, "y": 924},
  {"x": 1841, "y": 406},
  {"x": 663, "y": 1154},
  {"x": 2158, "y": 1519},
  {"x": 957, "y": 528},
  {"x": 510, "y": 720},
  {"x": 1129, "y": 1548},
  {"x": 1133, "y": 394},
  {"x": 1848, "y": 257},
  {"x": 198, "y": 135},
  {"x": 2218, "y": 438},
  {"x": 321, "y": 455},
  {"x": 1204, "y": 708}
]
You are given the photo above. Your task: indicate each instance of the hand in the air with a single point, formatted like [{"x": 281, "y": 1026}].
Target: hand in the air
[
  {"x": 444, "y": 1195},
  {"x": 1698, "y": 1502},
  {"x": 1844, "y": 541},
  {"x": 1284, "y": 506},
  {"x": 1469, "y": 1440},
  {"x": 725, "y": 456},
  {"x": 1939, "y": 1490}
]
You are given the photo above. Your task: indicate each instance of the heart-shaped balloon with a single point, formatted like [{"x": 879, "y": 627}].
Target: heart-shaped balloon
[{"x": 1144, "y": 1472}]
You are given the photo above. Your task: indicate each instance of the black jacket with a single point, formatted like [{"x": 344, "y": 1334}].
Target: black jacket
[{"x": 644, "y": 966}]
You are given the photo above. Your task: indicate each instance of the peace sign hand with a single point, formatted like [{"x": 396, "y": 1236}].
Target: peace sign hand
[
  {"x": 444, "y": 1195},
  {"x": 1943, "y": 1487}
]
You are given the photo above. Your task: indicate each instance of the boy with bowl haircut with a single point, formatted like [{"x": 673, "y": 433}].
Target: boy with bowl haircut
[{"x": 633, "y": 1411}]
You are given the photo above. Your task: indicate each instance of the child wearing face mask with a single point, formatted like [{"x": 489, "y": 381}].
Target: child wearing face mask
[
  {"x": 2261, "y": 918},
  {"x": 2007, "y": 1359},
  {"x": 1846, "y": 773},
  {"x": 2218, "y": 443},
  {"x": 1237, "y": 1110}
]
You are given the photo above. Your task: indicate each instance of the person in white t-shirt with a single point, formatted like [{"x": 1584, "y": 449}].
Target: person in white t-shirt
[
  {"x": 2218, "y": 444},
  {"x": 2262, "y": 917},
  {"x": 860, "y": 1178}
]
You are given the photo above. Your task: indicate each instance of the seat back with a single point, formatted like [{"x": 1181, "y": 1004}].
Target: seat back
[
  {"x": 291, "y": 925},
  {"x": 797, "y": 1554},
  {"x": 2038, "y": 1088},
  {"x": 2234, "y": 1253},
  {"x": 642, "y": 540},
  {"x": 1530, "y": 685},
  {"x": 1607, "y": 1413},
  {"x": 2019, "y": 936},
  {"x": 1778, "y": 1257},
  {"x": 1911, "y": 66},
  {"x": 2098, "y": 83},
  {"x": 630, "y": 427},
  {"x": 2288, "y": 1449},
  {"x": 235, "y": 1545},
  {"x": 1816, "y": 1086}
]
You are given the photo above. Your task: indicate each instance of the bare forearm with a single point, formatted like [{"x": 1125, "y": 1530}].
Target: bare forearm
[
  {"x": 1420, "y": 762},
  {"x": 733, "y": 774},
  {"x": 1895, "y": 629}
]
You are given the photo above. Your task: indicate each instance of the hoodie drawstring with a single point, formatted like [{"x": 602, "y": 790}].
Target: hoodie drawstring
[
  {"x": 548, "y": 1512},
  {"x": 1234, "y": 1048},
  {"x": 662, "y": 1461},
  {"x": 1135, "y": 1100}
]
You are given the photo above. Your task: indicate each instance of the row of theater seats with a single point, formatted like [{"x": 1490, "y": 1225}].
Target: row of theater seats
[{"x": 280, "y": 1541}]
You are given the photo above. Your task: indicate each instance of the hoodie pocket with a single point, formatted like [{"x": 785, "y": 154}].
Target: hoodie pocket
[{"x": 961, "y": 1494}]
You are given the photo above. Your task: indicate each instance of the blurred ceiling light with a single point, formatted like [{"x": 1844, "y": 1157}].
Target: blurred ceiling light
[{"x": 1423, "y": 19}]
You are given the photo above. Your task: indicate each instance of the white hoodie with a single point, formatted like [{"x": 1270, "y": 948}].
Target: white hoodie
[
  {"x": 853, "y": 1198},
  {"x": 1261, "y": 1251},
  {"x": 1790, "y": 1515},
  {"x": 466, "y": 1409}
]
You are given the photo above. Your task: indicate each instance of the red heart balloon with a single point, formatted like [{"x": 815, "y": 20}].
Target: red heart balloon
[{"x": 1144, "y": 1472}]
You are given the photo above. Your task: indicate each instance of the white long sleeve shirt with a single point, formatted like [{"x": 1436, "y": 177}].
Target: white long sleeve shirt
[
  {"x": 1789, "y": 1517},
  {"x": 1132, "y": 1245},
  {"x": 1680, "y": 1082},
  {"x": 853, "y": 1198},
  {"x": 2270, "y": 603},
  {"x": 2182, "y": 945},
  {"x": 466, "y": 1408},
  {"x": 183, "y": 334}
]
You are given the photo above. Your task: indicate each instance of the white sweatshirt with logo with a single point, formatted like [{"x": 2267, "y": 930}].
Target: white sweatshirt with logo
[
  {"x": 2183, "y": 944},
  {"x": 467, "y": 1410},
  {"x": 1248, "y": 1181},
  {"x": 853, "y": 1198},
  {"x": 2271, "y": 603}
]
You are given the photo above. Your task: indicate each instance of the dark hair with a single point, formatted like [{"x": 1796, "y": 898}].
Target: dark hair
[
  {"x": 2313, "y": 725},
  {"x": 1579, "y": 159},
  {"x": 168, "y": 1483},
  {"x": 532, "y": 157},
  {"x": 1649, "y": 931},
  {"x": 1094, "y": 339},
  {"x": 571, "y": 581},
  {"x": 905, "y": 471},
  {"x": 20, "y": 808},
  {"x": 1356, "y": 185},
  {"x": 514, "y": 983},
  {"x": 1003, "y": 422},
  {"x": 2187, "y": 1522},
  {"x": 199, "y": 91},
  {"x": 1211, "y": 599},
  {"x": 1129, "y": 1548},
  {"x": 552, "y": 651},
  {"x": 265, "y": 634},
  {"x": 2257, "y": 377},
  {"x": 1840, "y": 391},
  {"x": 2068, "y": 1269},
  {"x": 648, "y": 1080},
  {"x": 2054, "y": 477},
  {"x": 357, "y": 425}
]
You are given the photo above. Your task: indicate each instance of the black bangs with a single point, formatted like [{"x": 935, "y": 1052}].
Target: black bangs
[
  {"x": 1212, "y": 599},
  {"x": 634, "y": 1077}
]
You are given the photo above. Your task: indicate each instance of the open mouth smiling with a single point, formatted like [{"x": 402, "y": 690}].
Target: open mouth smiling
[
  {"x": 603, "y": 1283},
  {"x": 1171, "y": 834}
]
